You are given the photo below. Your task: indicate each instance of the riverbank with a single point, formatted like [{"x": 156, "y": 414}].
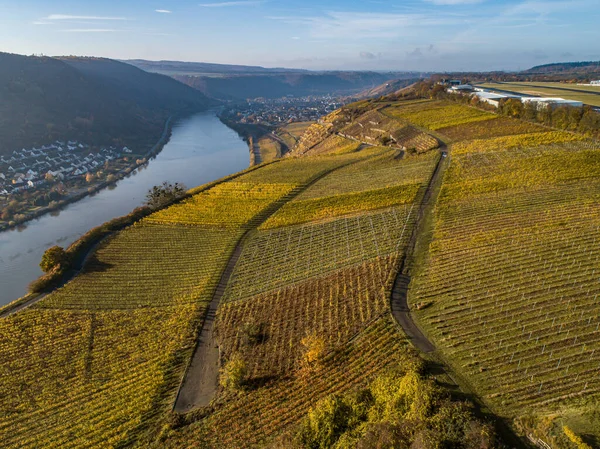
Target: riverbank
[
  {"x": 84, "y": 247},
  {"x": 95, "y": 188}
]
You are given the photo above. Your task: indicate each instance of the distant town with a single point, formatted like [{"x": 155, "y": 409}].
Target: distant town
[
  {"x": 275, "y": 112},
  {"x": 27, "y": 169},
  {"x": 42, "y": 178}
]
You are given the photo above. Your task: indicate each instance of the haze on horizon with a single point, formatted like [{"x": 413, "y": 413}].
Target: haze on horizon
[{"x": 420, "y": 35}]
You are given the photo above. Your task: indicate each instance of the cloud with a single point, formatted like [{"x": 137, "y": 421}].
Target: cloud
[
  {"x": 89, "y": 30},
  {"x": 69, "y": 17},
  {"x": 235, "y": 3},
  {"x": 454, "y": 2},
  {"x": 416, "y": 53},
  {"x": 354, "y": 25},
  {"x": 163, "y": 11},
  {"x": 367, "y": 55}
]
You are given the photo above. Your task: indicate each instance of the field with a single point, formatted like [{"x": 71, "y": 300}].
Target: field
[
  {"x": 437, "y": 115},
  {"x": 335, "y": 144},
  {"x": 270, "y": 149},
  {"x": 291, "y": 133},
  {"x": 497, "y": 127},
  {"x": 511, "y": 280},
  {"x": 516, "y": 141},
  {"x": 586, "y": 94},
  {"x": 330, "y": 278},
  {"x": 98, "y": 362}
]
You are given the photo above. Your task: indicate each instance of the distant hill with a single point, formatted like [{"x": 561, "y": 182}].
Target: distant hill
[
  {"x": 387, "y": 88},
  {"x": 94, "y": 100},
  {"x": 567, "y": 67},
  {"x": 234, "y": 82},
  {"x": 202, "y": 68}
]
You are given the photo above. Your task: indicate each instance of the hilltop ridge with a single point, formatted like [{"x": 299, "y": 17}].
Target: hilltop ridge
[{"x": 94, "y": 100}]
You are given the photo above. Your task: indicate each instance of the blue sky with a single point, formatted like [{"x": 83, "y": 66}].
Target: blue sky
[{"x": 417, "y": 35}]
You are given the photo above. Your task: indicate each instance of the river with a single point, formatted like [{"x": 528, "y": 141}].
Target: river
[{"x": 201, "y": 149}]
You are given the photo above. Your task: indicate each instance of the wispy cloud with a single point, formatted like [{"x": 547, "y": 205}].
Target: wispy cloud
[
  {"x": 235, "y": 3},
  {"x": 89, "y": 30},
  {"x": 163, "y": 11},
  {"x": 70, "y": 17},
  {"x": 454, "y": 2},
  {"x": 354, "y": 25}
]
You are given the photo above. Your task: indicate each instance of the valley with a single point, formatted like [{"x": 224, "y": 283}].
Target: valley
[{"x": 410, "y": 261}]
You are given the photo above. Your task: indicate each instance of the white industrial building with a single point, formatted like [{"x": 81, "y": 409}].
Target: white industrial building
[
  {"x": 552, "y": 102},
  {"x": 492, "y": 98},
  {"x": 461, "y": 88}
]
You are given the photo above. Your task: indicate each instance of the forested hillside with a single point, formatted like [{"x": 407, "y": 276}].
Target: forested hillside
[{"x": 93, "y": 100}]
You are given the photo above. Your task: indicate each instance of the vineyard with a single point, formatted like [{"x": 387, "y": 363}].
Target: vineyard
[
  {"x": 254, "y": 418},
  {"x": 306, "y": 251},
  {"x": 515, "y": 142},
  {"x": 128, "y": 273},
  {"x": 438, "y": 115},
  {"x": 76, "y": 379},
  {"x": 335, "y": 144},
  {"x": 512, "y": 277},
  {"x": 496, "y": 127},
  {"x": 375, "y": 183},
  {"x": 295, "y": 253},
  {"x": 97, "y": 363}
]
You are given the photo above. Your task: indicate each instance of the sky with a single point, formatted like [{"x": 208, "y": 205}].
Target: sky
[{"x": 415, "y": 35}]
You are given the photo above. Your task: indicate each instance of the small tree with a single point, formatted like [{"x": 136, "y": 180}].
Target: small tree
[
  {"x": 233, "y": 374},
  {"x": 314, "y": 351},
  {"x": 53, "y": 257},
  {"x": 164, "y": 194}
]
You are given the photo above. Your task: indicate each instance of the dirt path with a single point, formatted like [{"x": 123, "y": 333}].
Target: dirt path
[
  {"x": 201, "y": 380},
  {"x": 399, "y": 298}
]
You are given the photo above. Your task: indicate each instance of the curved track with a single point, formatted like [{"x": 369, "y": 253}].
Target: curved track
[{"x": 399, "y": 299}]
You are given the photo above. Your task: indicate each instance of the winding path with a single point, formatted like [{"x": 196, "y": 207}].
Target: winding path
[{"x": 399, "y": 298}]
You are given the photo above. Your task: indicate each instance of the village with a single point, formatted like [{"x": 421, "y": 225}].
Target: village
[
  {"x": 60, "y": 161},
  {"x": 274, "y": 112}
]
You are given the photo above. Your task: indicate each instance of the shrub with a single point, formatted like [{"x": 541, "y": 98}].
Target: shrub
[
  {"x": 233, "y": 374},
  {"x": 314, "y": 350},
  {"x": 164, "y": 194},
  {"x": 325, "y": 423}
]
